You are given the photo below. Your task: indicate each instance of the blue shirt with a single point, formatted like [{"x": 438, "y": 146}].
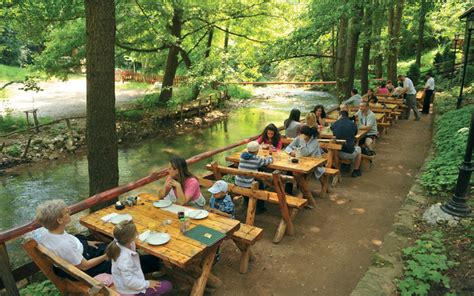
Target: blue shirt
[{"x": 224, "y": 204}]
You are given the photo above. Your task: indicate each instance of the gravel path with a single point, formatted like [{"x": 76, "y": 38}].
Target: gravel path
[{"x": 60, "y": 99}]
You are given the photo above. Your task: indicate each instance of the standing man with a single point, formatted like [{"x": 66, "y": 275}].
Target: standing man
[
  {"x": 410, "y": 94},
  {"x": 367, "y": 121},
  {"x": 429, "y": 89}
]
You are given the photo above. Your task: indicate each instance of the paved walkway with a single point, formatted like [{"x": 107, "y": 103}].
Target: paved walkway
[
  {"x": 335, "y": 242},
  {"x": 60, "y": 99}
]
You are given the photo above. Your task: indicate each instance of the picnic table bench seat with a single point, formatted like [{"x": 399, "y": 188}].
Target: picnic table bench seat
[
  {"x": 85, "y": 284},
  {"x": 244, "y": 238}
]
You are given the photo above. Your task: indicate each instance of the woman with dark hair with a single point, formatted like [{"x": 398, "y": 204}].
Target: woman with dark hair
[
  {"x": 306, "y": 144},
  {"x": 371, "y": 97},
  {"x": 292, "y": 124},
  {"x": 270, "y": 138},
  {"x": 181, "y": 186},
  {"x": 382, "y": 90},
  {"x": 320, "y": 115}
]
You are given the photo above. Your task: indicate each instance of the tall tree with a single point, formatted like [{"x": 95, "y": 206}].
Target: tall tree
[
  {"x": 395, "y": 14},
  {"x": 364, "y": 64},
  {"x": 352, "y": 46},
  {"x": 101, "y": 136},
  {"x": 378, "y": 14},
  {"x": 341, "y": 53},
  {"x": 421, "y": 30}
]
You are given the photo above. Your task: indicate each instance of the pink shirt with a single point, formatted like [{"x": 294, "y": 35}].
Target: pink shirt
[
  {"x": 191, "y": 188},
  {"x": 278, "y": 147},
  {"x": 382, "y": 90}
]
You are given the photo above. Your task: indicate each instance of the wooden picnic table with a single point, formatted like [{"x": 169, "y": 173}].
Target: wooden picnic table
[
  {"x": 188, "y": 254},
  {"x": 333, "y": 116},
  {"x": 327, "y": 134},
  {"x": 301, "y": 170}
]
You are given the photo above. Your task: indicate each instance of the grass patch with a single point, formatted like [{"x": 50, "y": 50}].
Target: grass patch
[
  {"x": 45, "y": 288},
  {"x": 426, "y": 62},
  {"x": 9, "y": 73},
  {"x": 133, "y": 85},
  {"x": 240, "y": 92},
  {"x": 131, "y": 115},
  {"x": 10, "y": 123}
]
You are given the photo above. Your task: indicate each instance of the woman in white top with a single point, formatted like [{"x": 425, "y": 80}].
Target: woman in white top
[
  {"x": 127, "y": 273},
  {"x": 292, "y": 124},
  {"x": 88, "y": 256}
]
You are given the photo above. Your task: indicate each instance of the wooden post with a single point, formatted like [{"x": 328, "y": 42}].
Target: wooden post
[
  {"x": 215, "y": 170},
  {"x": 3, "y": 146},
  {"x": 285, "y": 213},
  {"x": 69, "y": 127},
  {"x": 35, "y": 119},
  {"x": 6, "y": 272},
  {"x": 200, "y": 283},
  {"x": 27, "y": 118},
  {"x": 252, "y": 206},
  {"x": 181, "y": 111},
  {"x": 26, "y": 148},
  {"x": 199, "y": 107}
]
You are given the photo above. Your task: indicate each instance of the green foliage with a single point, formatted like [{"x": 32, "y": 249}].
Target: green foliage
[
  {"x": 426, "y": 264},
  {"x": 131, "y": 115},
  {"x": 451, "y": 132},
  {"x": 239, "y": 92},
  {"x": 14, "y": 150},
  {"x": 45, "y": 288},
  {"x": 414, "y": 73},
  {"x": 133, "y": 85},
  {"x": 11, "y": 123}
]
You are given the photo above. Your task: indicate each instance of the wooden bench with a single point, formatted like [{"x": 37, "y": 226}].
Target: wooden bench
[
  {"x": 244, "y": 238},
  {"x": 289, "y": 205},
  {"x": 85, "y": 284}
]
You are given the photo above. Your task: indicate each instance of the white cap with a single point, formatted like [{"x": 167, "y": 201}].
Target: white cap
[
  {"x": 253, "y": 146},
  {"x": 219, "y": 186}
]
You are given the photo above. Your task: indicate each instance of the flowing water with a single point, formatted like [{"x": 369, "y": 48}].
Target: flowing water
[{"x": 22, "y": 192}]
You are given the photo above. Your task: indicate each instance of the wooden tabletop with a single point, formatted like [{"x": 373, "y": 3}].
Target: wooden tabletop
[
  {"x": 281, "y": 161},
  {"x": 180, "y": 250}
]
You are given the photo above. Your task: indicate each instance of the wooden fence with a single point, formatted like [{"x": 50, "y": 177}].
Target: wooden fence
[{"x": 125, "y": 75}]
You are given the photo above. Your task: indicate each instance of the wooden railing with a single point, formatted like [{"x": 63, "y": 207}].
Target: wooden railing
[{"x": 125, "y": 75}]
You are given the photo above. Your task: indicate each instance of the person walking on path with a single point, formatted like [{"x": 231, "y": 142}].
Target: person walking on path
[
  {"x": 429, "y": 89},
  {"x": 410, "y": 95}
]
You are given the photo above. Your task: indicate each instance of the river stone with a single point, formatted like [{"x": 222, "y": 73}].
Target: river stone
[
  {"x": 197, "y": 121},
  {"x": 434, "y": 216},
  {"x": 53, "y": 155}
]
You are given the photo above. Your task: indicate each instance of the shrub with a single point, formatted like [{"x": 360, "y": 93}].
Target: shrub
[
  {"x": 14, "y": 150},
  {"x": 239, "y": 92},
  {"x": 414, "y": 73},
  {"x": 11, "y": 123},
  {"x": 45, "y": 288},
  {"x": 131, "y": 115},
  {"x": 451, "y": 132}
]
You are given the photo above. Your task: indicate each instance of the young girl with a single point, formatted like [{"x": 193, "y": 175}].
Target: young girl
[
  {"x": 292, "y": 124},
  {"x": 320, "y": 115},
  {"x": 271, "y": 138},
  {"x": 311, "y": 120},
  {"x": 181, "y": 186},
  {"x": 127, "y": 271}
]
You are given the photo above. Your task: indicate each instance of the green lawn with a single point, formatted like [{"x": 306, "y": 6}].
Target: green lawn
[
  {"x": 426, "y": 62},
  {"x": 133, "y": 85},
  {"x": 9, "y": 73}
]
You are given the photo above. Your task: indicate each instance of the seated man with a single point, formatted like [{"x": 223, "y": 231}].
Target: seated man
[
  {"x": 250, "y": 161},
  {"x": 355, "y": 98},
  {"x": 367, "y": 121},
  {"x": 85, "y": 255},
  {"x": 345, "y": 129}
]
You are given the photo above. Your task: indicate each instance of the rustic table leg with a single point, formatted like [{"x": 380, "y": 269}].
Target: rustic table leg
[
  {"x": 324, "y": 185},
  {"x": 200, "y": 283},
  {"x": 303, "y": 184}
]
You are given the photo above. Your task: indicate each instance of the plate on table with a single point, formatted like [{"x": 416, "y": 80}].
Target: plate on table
[
  {"x": 158, "y": 238},
  {"x": 120, "y": 218},
  {"x": 197, "y": 214},
  {"x": 162, "y": 203}
]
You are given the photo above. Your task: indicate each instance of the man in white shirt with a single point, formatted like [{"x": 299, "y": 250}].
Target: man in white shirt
[
  {"x": 366, "y": 120},
  {"x": 410, "y": 95},
  {"x": 429, "y": 89},
  {"x": 355, "y": 98}
]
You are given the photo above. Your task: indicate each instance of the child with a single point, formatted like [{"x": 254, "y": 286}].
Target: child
[
  {"x": 250, "y": 161},
  {"x": 221, "y": 202},
  {"x": 127, "y": 271},
  {"x": 88, "y": 256}
]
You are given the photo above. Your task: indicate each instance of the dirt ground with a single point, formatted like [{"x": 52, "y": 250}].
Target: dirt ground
[{"x": 334, "y": 243}]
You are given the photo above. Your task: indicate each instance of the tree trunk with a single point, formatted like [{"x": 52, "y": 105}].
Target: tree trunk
[
  {"x": 101, "y": 135},
  {"x": 421, "y": 31},
  {"x": 197, "y": 87},
  {"x": 172, "y": 60},
  {"x": 341, "y": 54},
  {"x": 226, "y": 39},
  {"x": 354, "y": 33},
  {"x": 333, "y": 50},
  {"x": 364, "y": 66},
  {"x": 395, "y": 20},
  {"x": 378, "y": 15}
]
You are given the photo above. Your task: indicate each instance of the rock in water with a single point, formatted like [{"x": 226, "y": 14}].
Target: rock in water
[{"x": 434, "y": 216}]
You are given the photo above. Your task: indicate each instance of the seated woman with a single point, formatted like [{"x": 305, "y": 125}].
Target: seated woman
[
  {"x": 292, "y": 124},
  {"x": 311, "y": 120},
  {"x": 382, "y": 90},
  {"x": 88, "y": 256},
  {"x": 371, "y": 97},
  {"x": 308, "y": 145},
  {"x": 270, "y": 138},
  {"x": 181, "y": 186},
  {"x": 320, "y": 115},
  {"x": 390, "y": 86}
]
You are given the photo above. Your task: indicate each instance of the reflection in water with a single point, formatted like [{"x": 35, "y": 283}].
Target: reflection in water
[{"x": 20, "y": 194}]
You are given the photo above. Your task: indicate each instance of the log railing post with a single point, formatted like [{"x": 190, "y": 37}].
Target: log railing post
[{"x": 6, "y": 272}]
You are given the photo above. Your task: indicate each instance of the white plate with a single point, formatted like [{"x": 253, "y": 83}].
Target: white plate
[
  {"x": 158, "y": 238},
  {"x": 197, "y": 214},
  {"x": 120, "y": 218},
  {"x": 163, "y": 203}
]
